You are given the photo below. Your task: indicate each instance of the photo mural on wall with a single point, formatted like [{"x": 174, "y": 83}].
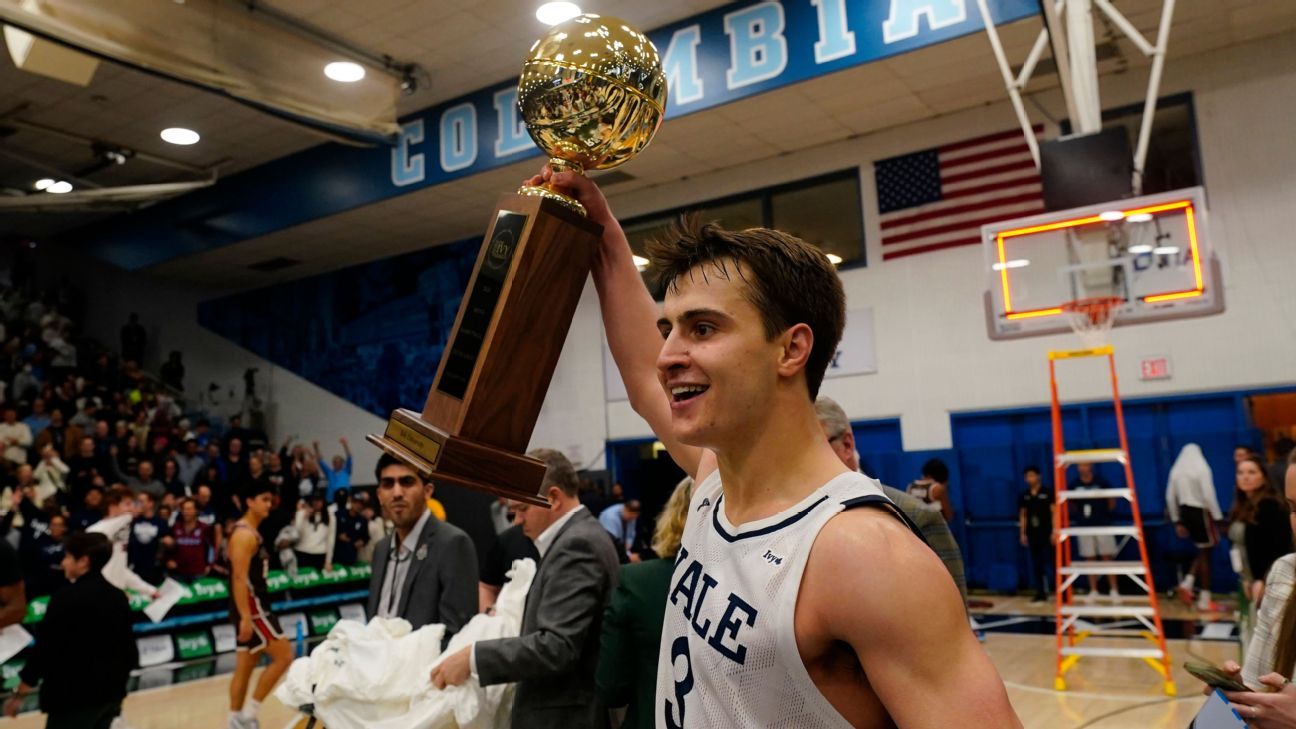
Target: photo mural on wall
[{"x": 371, "y": 334}]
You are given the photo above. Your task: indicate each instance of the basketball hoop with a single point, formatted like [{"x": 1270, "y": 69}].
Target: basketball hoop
[{"x": 1092, "y": 318}]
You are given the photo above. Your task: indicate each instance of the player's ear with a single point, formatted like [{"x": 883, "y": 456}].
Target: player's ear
[{"x": 797, "y": 341}]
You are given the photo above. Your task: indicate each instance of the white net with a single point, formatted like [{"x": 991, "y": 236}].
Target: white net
[{"x": 1092, "y": 318}]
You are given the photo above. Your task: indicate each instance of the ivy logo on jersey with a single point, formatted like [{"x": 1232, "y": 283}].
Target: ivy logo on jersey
[{"x": 773, "y": 558}]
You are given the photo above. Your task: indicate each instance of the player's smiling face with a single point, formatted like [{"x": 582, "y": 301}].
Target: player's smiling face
[{"x": 716, "y": 365}]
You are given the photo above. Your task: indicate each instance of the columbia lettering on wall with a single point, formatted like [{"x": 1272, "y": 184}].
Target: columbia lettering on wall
[{"x": 711, "y": 59}]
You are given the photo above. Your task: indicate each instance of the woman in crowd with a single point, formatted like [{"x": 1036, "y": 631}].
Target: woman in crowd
[
  {"x": 632, "y": 622},
  {"x": 1258, "y": 526},
  {"x": 128, "y": 456},
  {"x": 316, "y": 533},
  {"x": 1271, "y": 655},
  {"x": 171, "y": 479}
]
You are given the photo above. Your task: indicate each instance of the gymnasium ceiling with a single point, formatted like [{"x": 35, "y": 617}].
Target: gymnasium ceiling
[{"x": 465, "y": 45}]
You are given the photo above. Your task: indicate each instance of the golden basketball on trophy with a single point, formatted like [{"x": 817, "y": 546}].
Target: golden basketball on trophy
[{"x": 592, "y": 95}]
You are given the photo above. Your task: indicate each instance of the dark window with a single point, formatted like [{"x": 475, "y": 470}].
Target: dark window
[
  {"x": 824, "y": 211},
  {"x": 1173, "y": 159}
]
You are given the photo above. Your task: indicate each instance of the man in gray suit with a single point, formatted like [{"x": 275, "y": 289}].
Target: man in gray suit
[
  {"x": 554, "y": 657},
  {"x": 426, "y": 570}
]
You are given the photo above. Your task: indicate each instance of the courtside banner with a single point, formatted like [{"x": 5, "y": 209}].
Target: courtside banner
[
  {"x": 718, "y": 57},
  {"x": 209, "y": 589}
]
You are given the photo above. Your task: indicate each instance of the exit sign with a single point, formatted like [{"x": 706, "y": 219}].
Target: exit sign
[{"x": 1154, "y": 368}]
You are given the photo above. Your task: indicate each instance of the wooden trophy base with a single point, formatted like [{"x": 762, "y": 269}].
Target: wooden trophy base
[
  {"x": 448, "y": 458},
  {"x": 501, "y": 355}
]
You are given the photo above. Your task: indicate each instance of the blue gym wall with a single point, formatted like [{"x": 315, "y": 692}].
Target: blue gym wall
[
  {"x": 992, "y": 447},
  {"x": 372, "y": 334}
]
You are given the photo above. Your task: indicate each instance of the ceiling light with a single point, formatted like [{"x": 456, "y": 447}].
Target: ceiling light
[
  {"x": 1014, "y": 263},
  {"x": 43, "y": 183},
  {"x": 344, "y": 71},
  {"x": 1111, "y": 215},
  {"x": 1140, "y": 218},
  {"x": 555, "y": 13},
  {"x": 640, "y": 262},
  {"x": 1140, "y": 249},
  {"x": 180, "y": 135},
  {"x": 1166, "y": 250},
  {"x": 60, "y": 187},
  {"x": 834, "y": 259}
]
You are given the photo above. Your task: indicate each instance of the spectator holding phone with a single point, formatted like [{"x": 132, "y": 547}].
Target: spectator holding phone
[{"x": 1271, "y": 655}]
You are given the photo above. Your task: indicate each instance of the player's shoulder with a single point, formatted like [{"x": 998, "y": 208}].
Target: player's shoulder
[
  {"x": 876, "y": 538},
  {"x": 870, "y": 574},
  {"x": 243, "y": 534}
]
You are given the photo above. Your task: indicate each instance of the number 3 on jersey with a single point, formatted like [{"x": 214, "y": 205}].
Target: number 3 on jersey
[{"x": 683, "y": 686}]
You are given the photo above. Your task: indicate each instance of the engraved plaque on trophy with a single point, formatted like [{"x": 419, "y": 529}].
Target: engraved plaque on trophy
[{"x": 592, "y": 95}]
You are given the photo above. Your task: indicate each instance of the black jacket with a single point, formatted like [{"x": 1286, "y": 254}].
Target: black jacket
[
  {"x": 1269, "y": 538},
  {"x": 85, "y": 649}
]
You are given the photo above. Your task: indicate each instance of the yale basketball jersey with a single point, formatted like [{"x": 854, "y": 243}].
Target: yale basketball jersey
[{"x": 728, "y": 657}]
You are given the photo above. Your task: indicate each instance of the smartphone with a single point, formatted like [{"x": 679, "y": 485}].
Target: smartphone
[{"x": 1214, "y": 676}]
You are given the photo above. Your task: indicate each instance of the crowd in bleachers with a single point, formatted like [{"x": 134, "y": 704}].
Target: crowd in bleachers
[{"x": 77, "y": 420}]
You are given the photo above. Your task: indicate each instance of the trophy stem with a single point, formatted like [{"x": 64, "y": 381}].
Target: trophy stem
[
  {"x": 558, "y": 164},
  {"x": 547, "y": 190}
]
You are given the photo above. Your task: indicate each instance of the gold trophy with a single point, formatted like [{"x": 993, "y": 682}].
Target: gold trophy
[{"x": 592, "y": 94}]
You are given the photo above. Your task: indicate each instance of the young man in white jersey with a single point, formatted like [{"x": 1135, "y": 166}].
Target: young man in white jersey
[
  {"x": 116, "y": 525},
  {"x": 787, "y": 606}
]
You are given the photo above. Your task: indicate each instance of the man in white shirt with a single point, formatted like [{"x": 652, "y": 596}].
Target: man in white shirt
[
  {"x": 16, "y": 437},
  {"x": 554, "y": 657},
  {"x": 116, "y": 525}
]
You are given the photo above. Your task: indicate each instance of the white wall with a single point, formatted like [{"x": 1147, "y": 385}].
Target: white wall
[{"x": 933, "y": 353}]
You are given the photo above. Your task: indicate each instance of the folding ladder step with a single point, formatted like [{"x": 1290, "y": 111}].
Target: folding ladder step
[
  {"x": 1127, "y": 530},
  {"x": 1100, "y": 632},
  {"x": 1078, "y": 494},
  {"x": 1078, "y": 650},
  {"x": 1108, "y": 611},
  {"x": 1101, "y": 567},
  {"x": 1096, "y": 455}
]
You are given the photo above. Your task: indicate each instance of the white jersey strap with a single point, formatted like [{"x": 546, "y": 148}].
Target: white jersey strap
[{"x": 885, "y": 504}]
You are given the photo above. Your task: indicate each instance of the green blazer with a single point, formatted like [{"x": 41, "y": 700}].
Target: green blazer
[{"x": 632, "y": 626}]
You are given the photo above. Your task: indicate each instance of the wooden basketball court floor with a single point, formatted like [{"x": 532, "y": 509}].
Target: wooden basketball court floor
[{"x": 1103, "y": 693}]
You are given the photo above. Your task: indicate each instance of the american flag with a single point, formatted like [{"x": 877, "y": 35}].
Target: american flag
[{"x": 939, "y": 198}]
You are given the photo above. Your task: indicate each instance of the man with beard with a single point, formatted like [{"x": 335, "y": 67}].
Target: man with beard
[{"x": 426, "y": 570}]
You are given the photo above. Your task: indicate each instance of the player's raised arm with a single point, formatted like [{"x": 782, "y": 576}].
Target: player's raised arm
[
  {"x": 630, "y": 320},
  {"x": 928, "y": 674}
]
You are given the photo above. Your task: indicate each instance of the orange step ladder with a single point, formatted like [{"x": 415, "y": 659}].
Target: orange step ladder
[{"x": 1073, "y": 625}]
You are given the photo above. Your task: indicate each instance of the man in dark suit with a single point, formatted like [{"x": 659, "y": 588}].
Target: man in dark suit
[
  {"x": 426, "y": 570},
  {"x": 85, "y": 651},
  {"x": 554, "y": 657}
]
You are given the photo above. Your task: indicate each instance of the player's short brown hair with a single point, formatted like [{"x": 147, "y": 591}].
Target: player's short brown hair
[
  {"x": 117, "y": 494},
  {"x": 788, "y": 280}
]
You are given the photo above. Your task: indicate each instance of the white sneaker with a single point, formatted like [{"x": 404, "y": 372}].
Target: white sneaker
[
  {"x": 239, "y": 721},
  {"x": 1115, "y": 595},
  {"x": 1204, "y": 603},
  {"x": 1089, "y": 598}
]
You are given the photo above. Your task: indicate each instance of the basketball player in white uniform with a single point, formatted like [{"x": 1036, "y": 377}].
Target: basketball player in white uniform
[{"x": 796, "y": 601}]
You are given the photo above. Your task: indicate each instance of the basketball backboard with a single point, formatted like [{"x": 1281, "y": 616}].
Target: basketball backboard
[{"x": 1152, "y": 252}]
